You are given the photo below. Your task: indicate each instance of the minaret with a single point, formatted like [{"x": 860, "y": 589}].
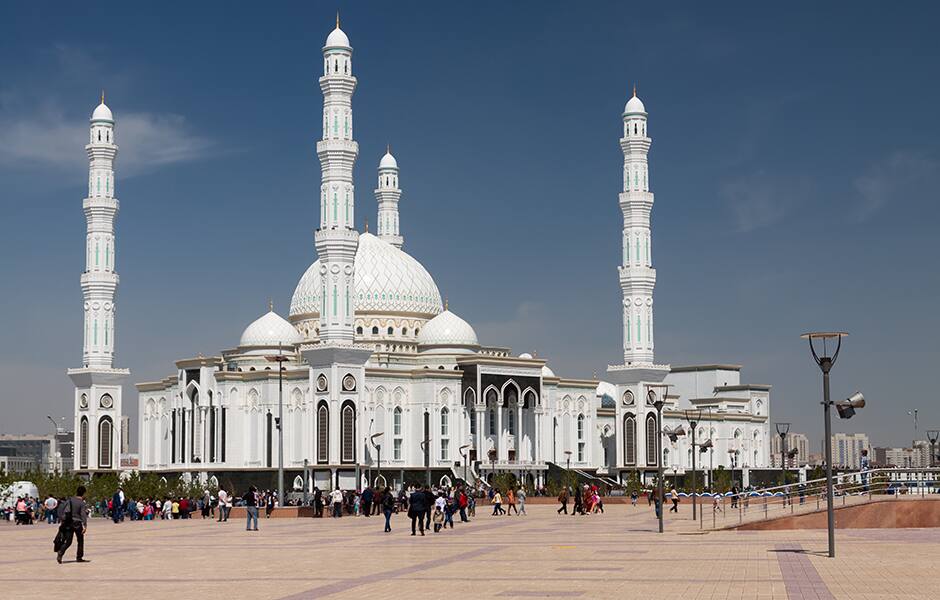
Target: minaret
[
  {"x": 387, "y": 194},
  {"x": 637, "y": 275},
  {"x": 337, "y": 238},
  {"x": 97, "y": 383}
]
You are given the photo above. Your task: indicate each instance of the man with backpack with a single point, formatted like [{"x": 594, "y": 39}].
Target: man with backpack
[{"x": 73, "y": 519}]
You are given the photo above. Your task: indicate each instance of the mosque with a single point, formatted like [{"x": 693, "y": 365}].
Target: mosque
[{"x": 380, "y": 381}]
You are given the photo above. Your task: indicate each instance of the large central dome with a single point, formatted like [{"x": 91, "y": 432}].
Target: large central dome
[{"x": 388, "y": 281}]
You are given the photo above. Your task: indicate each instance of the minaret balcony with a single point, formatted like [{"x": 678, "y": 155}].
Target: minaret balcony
[
  {"x": 100, "y": 202},
  {"x": 100, "y": 278}
]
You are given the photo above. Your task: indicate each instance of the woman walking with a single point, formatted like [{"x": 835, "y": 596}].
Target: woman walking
[
  {"x": 388, "y": 507},
  {"x": 563, "y": 498},
  {"x": 497, "y": 504}
]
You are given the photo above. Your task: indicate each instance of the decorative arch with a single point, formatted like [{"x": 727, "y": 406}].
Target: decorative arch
[
  {"x": 105, "y": 441},
  {"x": 297, "y": 397},
  {"x": 629, "y": 439},
  {"x": 348, "y": 432},
  {"x": 83, "y": 443},
  {"x": 445, "y": 396},
  {"x": 491, "y": 395},
  {"x": 652, "y": 443},
  {"x": 469, "y": 398},
  {"x": 509, "y": 397},
  {"x": 628, "y": 398},
  {"x": 529, "y": 398},
  {"x": 323, "y": 432}
]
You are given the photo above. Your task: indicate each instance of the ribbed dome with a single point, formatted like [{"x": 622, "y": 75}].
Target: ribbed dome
[
  {"x": 634, "y": 105},
  {"x": 388, "y": 280},
  {"x": 102, "y": 113},
  {"x": 388, "y": 162},
  {"x": 447, "y": 329},
  {"x": 270, "y": 330},
  {"x": 337, "y": 38}
]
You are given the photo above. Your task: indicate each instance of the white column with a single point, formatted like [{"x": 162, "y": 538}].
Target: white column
[
  {"x": 500, "y": 451},
  {"x": 387, "y": 194},
  {"x": 337, "y": 238},
  {"x": 637, "y": 275}
]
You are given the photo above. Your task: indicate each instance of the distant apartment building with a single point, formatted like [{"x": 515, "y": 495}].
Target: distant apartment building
[
  {"x": 794, "y": 440},
  {"x": 847, "y": 449},
  {"x": 47, "y": 452},
  {"x": 916, "y": 457}
]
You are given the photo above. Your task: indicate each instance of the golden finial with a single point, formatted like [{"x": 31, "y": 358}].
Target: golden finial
[
  {"x": 337, "y": 19},
  {"x": 367, "y": 224},
  {"x": 446, "y": 303},
  {"x": 535, "y": 353},
  {"x": 102, "y": 95},
  {"x": 634, "y": 89},
  {"x": 270, "y": 305},
  {"x": 595, "y": 373},
  {"x": 388, "y": 148}
]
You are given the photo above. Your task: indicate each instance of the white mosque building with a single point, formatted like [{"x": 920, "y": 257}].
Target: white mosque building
[{"x": 381, "y": 377}]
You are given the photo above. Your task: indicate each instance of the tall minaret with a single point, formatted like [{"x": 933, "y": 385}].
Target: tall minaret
[
  {"x": 97, "y": 382},
  {"x": 387, "y": 194},
  {"x": 337, "y": 238},
  {"x": 637, "y": 275}
]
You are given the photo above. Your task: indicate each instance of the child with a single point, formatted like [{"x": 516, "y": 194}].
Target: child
[
  {"x": 633, "y": 497},
  {"x": 438, "y": 519}
]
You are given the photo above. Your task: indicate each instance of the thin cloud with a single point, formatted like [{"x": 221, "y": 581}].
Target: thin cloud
[
  {"x": 48, "y": 139},
  {"x": 897, "y": 177},
  {"x": 760, "y": 200}
]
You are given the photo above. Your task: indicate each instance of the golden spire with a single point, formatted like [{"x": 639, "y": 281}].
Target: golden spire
[
  {"x": 102, "y": 95},
  {"x": 445, "y": 303},
  {"x": 270, "y": 305},
  {"x": 337, "y": 19},
  {"x": 388, "y": 148},
  {"x": 634, "y": 89},
  {"x": 367, "y": 224},
  {"x": 595, "y": 373}
]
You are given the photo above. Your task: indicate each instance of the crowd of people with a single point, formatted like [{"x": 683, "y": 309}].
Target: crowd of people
[{"x": 587, "y": 499}]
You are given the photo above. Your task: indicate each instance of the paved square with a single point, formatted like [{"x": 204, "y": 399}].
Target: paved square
[{"x": 613, "y": 555}]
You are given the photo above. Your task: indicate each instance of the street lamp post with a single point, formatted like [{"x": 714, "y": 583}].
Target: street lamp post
[
  {"x": 378, "y": 451},
  {"x": 426, "y": 446},
  {"x": 465, "y": 453},
  {"x": 825, "y": 363},
  {"x": 932, "y": 436},
  {"x": 306, "y": 486},
  {"x": 782, "y": 430},
  {"x": 693, "y": 416},
  {"x": 658, "y": 401},
  {"x": 280, "y": 358}
]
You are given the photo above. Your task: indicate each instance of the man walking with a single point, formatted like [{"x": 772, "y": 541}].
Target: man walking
[
  {"x": 251, "y": 508},
  {"x": 520, "y": 498},
  {"x": 73, "y": 518},
  {"x": 223, "y": 502},
  {"x": 563, "y": 498},
  {"x": 388, "y": 507},
  {"x": 336, "y": 499},
  {"x": 417, "y": 507},
  {"x": 51, "y": 504}
]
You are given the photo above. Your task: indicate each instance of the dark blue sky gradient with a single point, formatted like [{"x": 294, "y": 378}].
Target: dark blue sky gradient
[{"x": 794, "y": 161}]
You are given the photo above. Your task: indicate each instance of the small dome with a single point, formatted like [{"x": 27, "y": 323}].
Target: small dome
[
  {"x": 102, "y": 113},
  {"x": 337, "y": 38},
  {"x": 447, "y": 329},
  {"x": 270, "y": 330},
  {"x": 525, "y": 355},
  {"x": 388, "y": 162},
  {"x": 634, "y": 105},
  {"x": 546, "y": 372}
]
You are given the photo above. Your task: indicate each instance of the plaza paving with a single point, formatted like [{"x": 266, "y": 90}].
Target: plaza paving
[{"x": 613, "y": 555}]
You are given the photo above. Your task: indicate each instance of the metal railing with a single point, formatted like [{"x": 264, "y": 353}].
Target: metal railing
[{"x": 849, "y": 489}]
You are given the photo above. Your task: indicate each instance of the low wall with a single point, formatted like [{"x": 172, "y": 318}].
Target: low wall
[
  {"x": 288, "y": 512},
  {"x": 878, "y": 514}
]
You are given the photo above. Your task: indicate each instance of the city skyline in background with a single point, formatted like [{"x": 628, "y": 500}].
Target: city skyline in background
[{"x": 786, "y": 178}]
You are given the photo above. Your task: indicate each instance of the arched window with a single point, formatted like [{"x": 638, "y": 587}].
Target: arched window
[
  {"x": 323, "y": 433},
  {"x": 511, "y": 422},
  {"x": 105, "y": 431},
  {"x": 396, "y": 421},
  {"x": 444, "y": 424},
  {"x": 629, "y": 439},
  {"x": 375, "y": 331},
  {"x": 469, "y": 398},
  {"x": 348, "y": 454},
  {"x": 391, "y": 330},
  {"x": 651, "y": 441},
  {"x": 581, "y": 444},
  {"x": 83, "y": 443},
  {"x": 530, "y": 399},
  {"x": 492, "y": 422},
  {"x": 359, "y": 330}
]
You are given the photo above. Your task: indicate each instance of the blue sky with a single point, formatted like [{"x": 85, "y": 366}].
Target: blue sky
[{"x": 794, "y": 162}]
